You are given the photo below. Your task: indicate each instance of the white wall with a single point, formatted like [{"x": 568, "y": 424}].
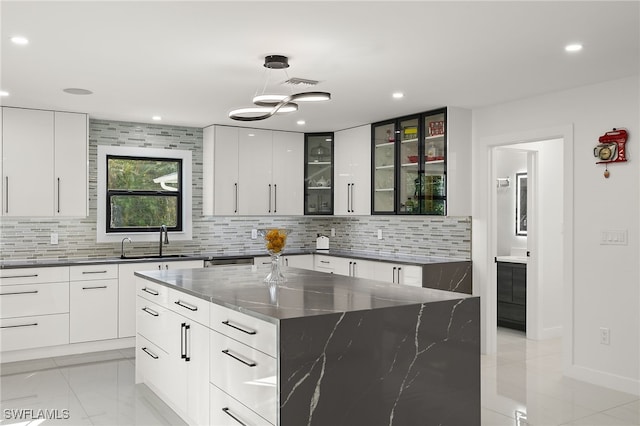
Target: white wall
[
  {"x": 508, "y": 163},
  {"x": 601, "y": 282}
]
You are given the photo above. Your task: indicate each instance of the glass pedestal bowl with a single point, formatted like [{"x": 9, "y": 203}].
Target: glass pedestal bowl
[{"x": 275, "y": 240}]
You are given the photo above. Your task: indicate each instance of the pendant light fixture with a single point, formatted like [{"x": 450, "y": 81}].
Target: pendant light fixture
[{"x": 268, "y": 104}]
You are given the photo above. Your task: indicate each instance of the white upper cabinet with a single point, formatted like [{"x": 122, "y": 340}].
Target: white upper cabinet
[
  {"x": 352, "y": 173},
  {"x": 252, "y": 172},
  {"x": 44, "y": 157}
]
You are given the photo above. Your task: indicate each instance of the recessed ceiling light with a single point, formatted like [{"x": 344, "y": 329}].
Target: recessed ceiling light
[
  {"x": 3, "y": 93},
  {"x": 575, "y": 47},
  {"x": 398, "y": 95},
  {"x": 20, "y": 40},
  {"x": 156, "y": 118},
  {"x": 77, "y": 91},
  {"x": 301, "y": 122}
]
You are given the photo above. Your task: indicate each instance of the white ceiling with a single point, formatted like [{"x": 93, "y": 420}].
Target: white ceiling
[{"x": 192, "y": 62}]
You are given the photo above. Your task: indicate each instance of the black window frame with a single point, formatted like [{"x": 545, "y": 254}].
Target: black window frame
[{"x": 161, "y": 193}]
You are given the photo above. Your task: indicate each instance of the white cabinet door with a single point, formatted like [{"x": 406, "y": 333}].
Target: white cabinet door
[
  {"x": 255, "y": 191},
  {"x": 71, "y": 178},
  {"x": 288, "y": 173},
  {"x": 93, "y": 310},
  {"x": 302, "y": 261},
  {"x": 197, "y": 351},
  {"x": 397, "y": 273},
  {"x": 411, "y": 275},
  {"x": 352, "y": 173},
  {"x": 225, "y": 172},
  {"x": 27, "y": 156},
  {"x": 184, "y": 264}
]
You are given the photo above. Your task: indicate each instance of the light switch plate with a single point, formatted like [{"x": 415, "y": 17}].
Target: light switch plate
[
  {"x": 614, "y": 237},
  {"x": 54, "y": 238},
  {"x": 254, "y": 234},
  {"x": 333, "y": 232},
  {"x": 379, "y": 234}
]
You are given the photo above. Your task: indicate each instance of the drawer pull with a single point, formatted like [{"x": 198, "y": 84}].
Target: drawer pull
[
  {"x": 20, "y": 325},
  {"x": 94, "y": 288},
  {"x": 248, "y": 331},
  {"x": 325, "y": 261},
  {"x": 21, "y": 276},
  {"x": 151, "y": 354},
  {"x": 248, "y": 364},
  {"x": 186, "y": 305},
  {"x": 93, "y": 272},
  {"x": 228, "y": 413},
  {"x": 150, "y": 291},
  {"x": 150, "y": 311},
  {"x": 19, "y": 292}
]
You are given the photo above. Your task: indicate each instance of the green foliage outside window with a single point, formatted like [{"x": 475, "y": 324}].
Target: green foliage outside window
[{"x": 143, "y": 193}]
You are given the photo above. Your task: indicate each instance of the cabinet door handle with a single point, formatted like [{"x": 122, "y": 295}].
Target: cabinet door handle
[
  {"x": 269, "y": 198},
  {"x": 6, "y": 194},
  {"x": 275, "y": 198},
  {"x": 21, "y": 276},
  {"x": 236, "y": 191},
  {"x": 248, "y": 364},
  {"x": 354, "y": 269},
  {"x": 352, "y": 186},
  {"x": 350, "y": 263},
  {"x": 228, "y": 413},
  {"x": 150, "y": 291},
  {"x": 348, "y": 198},
  {"x": 20, "y": 325},
  {"x": 150, "y": 311},
  {"x": 399, "y": 269},
  {"x": 244, "y": 330},
  {"x": 94, "y": 288},
  {"x": 151, "y": 354},
  {"x": 19, "y": 292},
  {"x": 286, "y": 262},
  {"x": 183, "y": 354},
  {"x": 394, "y": 275},
  {"x": 186, "y": 305},
  {"x": 187, "y": 342},
  {"x": 93, "y": 272},
  {"x": 58, "y": 195}
]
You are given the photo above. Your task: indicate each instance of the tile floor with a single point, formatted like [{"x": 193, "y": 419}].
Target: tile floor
[{"x": 521, "y": 385}]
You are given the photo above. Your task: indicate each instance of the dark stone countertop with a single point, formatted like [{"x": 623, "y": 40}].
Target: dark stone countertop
[{"x": 305, "y": 293}]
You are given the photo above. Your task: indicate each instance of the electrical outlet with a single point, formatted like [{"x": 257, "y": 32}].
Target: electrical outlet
[
  {"x": 379, "y": 234},
  {"x": 333, "y": 232},
  {"x": 605, "y": 336},
  {"x": 54, "y": 238},
  {"x": 254, "y": 234}
]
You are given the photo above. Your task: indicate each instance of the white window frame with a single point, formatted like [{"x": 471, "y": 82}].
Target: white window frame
[{"x": 103, "y": 151}]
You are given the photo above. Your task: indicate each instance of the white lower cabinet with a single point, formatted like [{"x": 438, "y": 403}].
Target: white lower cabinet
[
  {"x": 227, "y": 411},
  {"x": 302, "y": 261},
  {"x": 396, "y": 273},
  {"x": 176, "y": 359},
  {"x": 34, "y": 331},
  {"x": 93, "y": 303}
]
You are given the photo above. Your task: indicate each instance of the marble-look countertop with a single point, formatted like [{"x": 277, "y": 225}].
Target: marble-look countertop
[
  {"x": 354, "y": 254},
  {"x": 305, "y": 293}
]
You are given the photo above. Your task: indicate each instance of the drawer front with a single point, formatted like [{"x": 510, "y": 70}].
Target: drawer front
[
  {"x": 34, "y": 275},
  {"x": 251, "y": 331},
  {"x": 93, "y": 310},
  {"x": 227, "y": 411},
  {"x": 93, "y": 272},
  {"x": 35, "y": 299},
  {"x": 151, "y": 291},
  {"x": 34, "y": 332},
  {"x": 246, "y": 374},
  {"x": 324, "y": 263},
  {"x": 155, "y": 323},
  {"x": 189, "y": 306}
]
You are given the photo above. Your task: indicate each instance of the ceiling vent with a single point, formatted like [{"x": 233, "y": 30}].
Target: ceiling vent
[{"x": 295, "y": 81}]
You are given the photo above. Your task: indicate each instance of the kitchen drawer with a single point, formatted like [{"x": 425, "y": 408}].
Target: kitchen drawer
[
  {"x": 93, "y": 272},
  {"x": 246, "y": 374},
  {"x": 155, "y": 323},
  {"x": 34, "y": 332},
  {"x": 324, "y": 264},
  {"x": 155, "y": 367},
  {"x": 189, "y": 306},
  {"x": 93, "y": 310},
  {"x": 151, "y": 291},
  {"x": 34, "y": 299},
  {"x": 251, "y": 331},
  {"x": 34, "y": 275},
  {"x": 227, "y": 411}
]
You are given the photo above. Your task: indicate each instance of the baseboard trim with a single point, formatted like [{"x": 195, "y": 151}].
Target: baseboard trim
[
  {"x": 607, "y": 380},
  {"x": 70, "y": 349}
]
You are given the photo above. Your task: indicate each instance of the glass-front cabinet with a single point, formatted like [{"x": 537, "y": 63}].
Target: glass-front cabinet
[
  {"x": 318, "y": 173},
  {"x": 409, "y": 165}
]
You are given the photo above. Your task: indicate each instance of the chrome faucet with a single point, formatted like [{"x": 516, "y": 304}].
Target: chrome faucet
[
  {"x": 122, "y": 256},
  {"x": 163, "y": 228}
]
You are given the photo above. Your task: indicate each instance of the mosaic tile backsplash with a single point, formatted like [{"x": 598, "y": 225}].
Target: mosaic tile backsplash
[{"x": 29, "y": 238}]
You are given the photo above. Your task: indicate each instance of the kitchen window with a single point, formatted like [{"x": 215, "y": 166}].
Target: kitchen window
[{"x": 140, "y": 189}]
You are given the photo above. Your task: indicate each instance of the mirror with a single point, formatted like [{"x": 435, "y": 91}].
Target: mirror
[{"x": 521, "y": 204}]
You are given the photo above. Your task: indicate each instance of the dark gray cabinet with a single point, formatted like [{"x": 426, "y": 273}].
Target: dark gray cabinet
[{"x": 512, "y": 295}]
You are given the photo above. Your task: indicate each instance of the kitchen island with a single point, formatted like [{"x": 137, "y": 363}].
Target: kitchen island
[{"x": 321, "y": 349}]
